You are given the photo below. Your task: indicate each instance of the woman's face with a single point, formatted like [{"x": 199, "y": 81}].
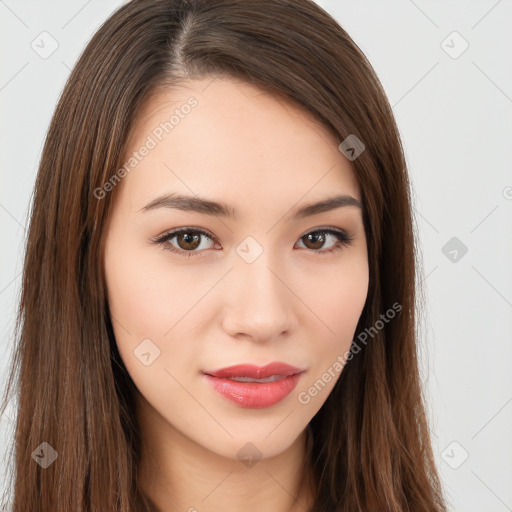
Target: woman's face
[{"x": 256, "y": 284}]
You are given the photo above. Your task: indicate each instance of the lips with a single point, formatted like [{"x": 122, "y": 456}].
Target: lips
[
  {"x": 252, "y": 386},
  {"x": 255, "y": 372}
]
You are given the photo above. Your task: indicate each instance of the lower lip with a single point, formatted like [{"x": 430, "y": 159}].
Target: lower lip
[{"x": 254, "y": 395}]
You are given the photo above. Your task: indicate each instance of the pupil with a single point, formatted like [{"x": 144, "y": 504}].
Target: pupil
[
  {"x": 319, "y": 238},
  {"x": 190, "y": 240}
]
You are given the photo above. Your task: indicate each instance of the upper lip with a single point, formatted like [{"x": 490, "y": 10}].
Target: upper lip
[{"x": 254, "y": 372}]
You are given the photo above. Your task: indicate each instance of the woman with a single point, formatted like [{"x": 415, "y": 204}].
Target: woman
[{"x": 218, "y": 302}]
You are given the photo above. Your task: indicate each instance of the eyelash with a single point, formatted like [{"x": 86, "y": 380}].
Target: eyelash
[{"x": 344, "y": 240}]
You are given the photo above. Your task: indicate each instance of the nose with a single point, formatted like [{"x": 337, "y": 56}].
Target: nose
[{"x": 260, "y": 305}]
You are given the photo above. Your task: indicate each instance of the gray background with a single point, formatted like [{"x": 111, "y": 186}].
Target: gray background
[{"x": 453, "y": 110}]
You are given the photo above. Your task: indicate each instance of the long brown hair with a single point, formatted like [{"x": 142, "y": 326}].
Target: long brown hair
[{"x": 371, "y": 448}]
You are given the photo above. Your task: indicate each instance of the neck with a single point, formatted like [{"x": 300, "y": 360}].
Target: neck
[{"x": 177, "y": 474}]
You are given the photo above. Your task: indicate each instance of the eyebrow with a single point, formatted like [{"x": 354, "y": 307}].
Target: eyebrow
[{"x": 208, "y": 207}]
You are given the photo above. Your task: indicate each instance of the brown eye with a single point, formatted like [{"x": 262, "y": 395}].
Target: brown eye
[
  {"x": 188, "y": 241},
  {"x": 315, "y": 240}
]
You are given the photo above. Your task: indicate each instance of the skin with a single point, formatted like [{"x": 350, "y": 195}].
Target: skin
[{"x": 265, "y": 157}]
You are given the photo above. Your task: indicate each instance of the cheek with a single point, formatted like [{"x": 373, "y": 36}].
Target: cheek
[
  {"x": 339, "y": 305},
  {"x": 135, "y": 303},
  {"x": 144, "y": 296},
  {"x": 347, "y": 305},
  {"x": 145, "y": 304},
  {"x": 339, "y": 299},
  {"x": 149, "y": 300}
]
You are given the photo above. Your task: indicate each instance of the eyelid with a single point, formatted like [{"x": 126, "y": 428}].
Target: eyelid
[
  {"x": 171, "y": 233},
  {"x": 344, "y": 238}
]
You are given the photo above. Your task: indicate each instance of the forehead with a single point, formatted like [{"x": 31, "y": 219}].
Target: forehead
[{"x": 227, "y": 139}]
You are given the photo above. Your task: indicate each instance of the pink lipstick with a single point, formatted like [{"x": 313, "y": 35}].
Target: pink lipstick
[{"x": 252, "y": 386}]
